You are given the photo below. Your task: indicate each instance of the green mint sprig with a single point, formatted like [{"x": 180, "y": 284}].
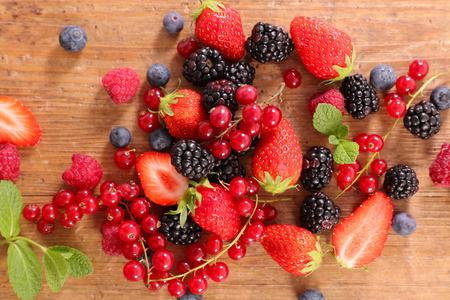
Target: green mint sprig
[
  {"x": 328, "y": 120},
  {"x": 24, "y": 269}
]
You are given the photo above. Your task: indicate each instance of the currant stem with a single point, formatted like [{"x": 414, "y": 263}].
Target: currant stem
[{"x": 278, "y": 94}]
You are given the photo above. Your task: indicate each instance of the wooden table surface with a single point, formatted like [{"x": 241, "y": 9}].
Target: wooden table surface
[{"x": 65, "y": 93}]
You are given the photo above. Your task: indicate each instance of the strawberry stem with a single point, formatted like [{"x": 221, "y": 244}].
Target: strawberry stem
[{"x": 214, "y": 5}]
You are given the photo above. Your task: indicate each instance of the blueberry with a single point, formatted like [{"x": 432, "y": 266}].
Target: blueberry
[
  {"x": 160, "y": 139},
  {"x": 158, "y": 75},
  {"x": 173, "y": 22},
  {"x": 120, "y": 137},
  {"x": 142, "y": 260},
  {"x": 190, "y": 296},
  {"x": 440, "y": 96},
  {"x": 383, "y": 77},
  {"x": 311, "y": 294},
  {"x": 73, "y": 38},
  {"x": 403, "y": 224}
]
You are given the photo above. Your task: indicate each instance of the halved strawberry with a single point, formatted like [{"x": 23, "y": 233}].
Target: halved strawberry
[
  {"x": 18, "y": 126},
  {"x": 360, "y": 238},
  {"x": 161, "y": 183}
]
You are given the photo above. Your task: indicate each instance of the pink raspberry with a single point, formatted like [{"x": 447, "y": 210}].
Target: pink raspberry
[
  {"x": 9, "y": 162},
  {"x": 112, "y": 244},
  {"x": 107, "y": 228},
  {"x": 330, "y": 96},
  {"x": 121, "y": 84},
  {"x": 85, "y": 172},
  {"x": 440, "y": 169}
]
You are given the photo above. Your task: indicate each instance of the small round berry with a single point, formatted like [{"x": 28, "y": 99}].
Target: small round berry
[
  {"x": 148, "y": 121},
  {"x": 151, "y": 98},
  {"x": 158, "y": 75},
  {"x": 89, "y": 205},
  {"x": 140, "y": 207},
  {"x": 176, "y": 288},
  {"x": 219, "y": 272},
  {"x": 375, "y": 143},
  {"x": 129, "y": 231},
  {"x": 115, "y": 214},
  {"x": 202, "y": 272},
  {"x": 418, "y": 69},
  {"x": 160, "y": 139},
  {"x": 206, "y": 131},
  {"x": 132, "y": 250},
  {"x": 368, "y": 184},
  {"x": 391, "y": 97},
  {"x": 82, "y": 194},
  {"x": 184, "y": 265},
  {"x": 238, "y": 187},
  {"x": 270, "y": 212},
  {"x": 405, "y": 85},
  {"x": 259, "y": 214},
  {"x": 125, "y": 158},
  {"x": 357, "y": 165},
  {"x": 347, "y": 173},
  {"x": 396, "y": 108},
  {"x": 240, "y": 140},
  {"x": 149, "y": 224},
  {"x": 344, "y": 185},
  {"x": 163, "y": 260},
  {"x": 72, "y": 38},
  {"x": 44, "y": 226},
  {"x": 271, "y": 116},
  {"x": 361, "y": 140},
  {"x": 186, "y": 47},
  {"x": 220, "y": 116},
  {"x": 383, "y": 77},
  {"x": 253, "y": 129},
  {"x": 244, "y": 207},
  {"x": 403, "y": 223},
  {"x": 237, "y": 251},
  {"x": 66, "y": 221},
  {"x": 197, "y": 285},
  {"x": 107, "y": 185},
  {"x": 378, "y": 166},
  {"x": 111, "y": 197},
  {"x": 220, "y": 149},
  {"x": 173, "y": 22},
  {"x": 252, "y": 113},
  {"x": 74, "y": 212},
  {"x": 246, "y": 94},
  {"x": 31, "y": 212},
  {"x": 214, "y": 245},
  {"x": 256, "y": 230},
  {"x": 133, "y": 271},
  {"x": 120, "y": 137},
  {"x": 311, "y": 294},
  {"x": 252, "y": 186},
  {"x": 64, "y": 198},
  {"x": 129, "y": 191},
  {"x": 246, "y": 239},
  {"x": 156, "y": 241},
  {"x": 196, "y": 253},
  {"x": 440, "y": 97},
  {"x": 292, "y": 78},
  {"x": 155, "y": 285}
]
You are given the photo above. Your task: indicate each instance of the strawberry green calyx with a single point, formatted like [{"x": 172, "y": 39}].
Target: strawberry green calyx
[
  {"x": 214, "y": 5},
  {"x": 343, "y": 72},
  {"x": 277, "y": 186},
  {"x": 317, "y": 259},
  {"x": 170, "y": 98}
]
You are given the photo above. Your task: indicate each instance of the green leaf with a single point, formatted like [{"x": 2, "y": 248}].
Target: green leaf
[
  {"x": 346, "y": 152},
  {"x": 342, "y": 132},
  {"x": 56, "y": 269},
  {"x": 24, "y": 270},
  {"x": 78, "y": 263},
  {"x": 327, "y": 119},
  {"x": 11, "y": 206},
  {"x": 332, "y": 139}
]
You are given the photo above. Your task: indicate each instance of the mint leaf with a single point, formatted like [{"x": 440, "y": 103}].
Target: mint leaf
[
  {"x": 24, "y": 270},
  {"x": 327, "y": 119},
  {"x": 78, "y": 263},
  {"x": 11, "y": 206},
  {"x": 55, "y": 268},
  {"x": 346, "y": 152},
  {"x": 332, "y": 139},
  {"x": 342, "y": 132}
]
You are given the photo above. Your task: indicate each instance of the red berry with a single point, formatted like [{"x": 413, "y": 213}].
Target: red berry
[
  {"x": 252, "y": 113},
  {"x": 246, "y": 94},
  {"x": 89, "y": 205},
  {"x": 156, "y": 241},
  {"x": 196, "y": 253},
  {"x": 246, "y": 239},
  {"x": 378, "y": 166},
  {"x": 237, "y": 251},
  {"x": 270, "y": 212},
  {"x": 259, "y": 214},
  {"x": 256, "y": 230},
  {"x": 111, "y": 197},
  {"x": 115, "y": 214},
  {"x": 214, "y": 245},
  {"x": 31, "y": 212},
  {"x": 140, "y": 207},
  {"x": 149, "y": 224},
  {"x": 64, "y": 198},
  {"x": 129, "y": 191},
  {"x": 220, "y": 149},
  {"x": 219, "y": 272},
  {"x": 375, "y": 143},
  {"x": 220, "y": 116},
  {"x": 343, "y": 185},
  {"x": 292, "y": 78},
  {"x": 392, "y": 96},
  {"x": 418, "y": 69},
  {"x": 183, "y": 266},
  {"x": 176, "y": 288},
  {"x": 74, "y": 212},
  {"x": 125, "y": 158},
  {"x": 347, "y": 173},
  {"x": 151, "y": 98},
  {"x": 129, "y": 231},
  {"x": 245, "y": 207},
  {"x": 107, "y": 185},
  {"x": 163, "y": 260},
  {"x": 396, "y": 108},
  {"x": 356, "y": 165},
  {"x": 240, "y": 140},
  {"x": 133, "y": 270},
  {"x": 252, "y": 186},
  {"x": 238, "y": 187},
  {"x": 81, "y": 194},
  {"x": 155, "y": 274},
  {"x": 361, "y": 140},
  {"x": 202, "y": 272},
  {"x": 206, "y": 131},
  {"x": 148, "y": 121},
  {"x": 186, "y": 47},
  {"x": 253, "y": 129},
  {"x": 44, "y": 226},
  {"x": 197, "y": 285},
  {"x": 66, "y": 221},
  {"x": 271, "y": 116},
  {"x": 368, "y": 184},
  {"x": 405, "y": 85},
  {"x": 132, "y": 250}
]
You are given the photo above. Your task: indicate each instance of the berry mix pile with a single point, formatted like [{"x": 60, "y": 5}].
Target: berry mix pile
[{"x": 195, "y": 168}]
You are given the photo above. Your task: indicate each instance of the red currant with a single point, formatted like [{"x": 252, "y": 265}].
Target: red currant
[
  {"x": 74, "y": 212},
  {"x": 238, "y": 187},
  {"x": 81, "y": 194},
  {"x": 202, "y": 272},
  {"x": 125, "y": 158},
  {"x": 183, "y": 266},
  {"x": 132, "y": 250},
  {"x": 111, "y": 197},
  {"x": 361, "y": 140},
  {"x": 206, "y": 131},
  {"x": 271, "y": 116},
  {"x": 237, "y": 251},
  {"x": 129, "y": 231},
  {"x": 220, "y": 149},
  {"x": 219, "y": 272},
  {"x": 129, "y": 191},
  {"x": 356, "y": 165},
  {"x": 240, "y": 140},
  {"x": 196, "y": 253},
  {"x": 151, "y": 98},
  {"x": 107, "y": 185},
  {"x": 140, "y": 207},
  {"x": 396, "y": 108},
  {"x": 197, "y": 285},
  {"x": 418, "y": 69},
  {"x": 115, "y": 214},
  {"x": 156, "y": 241},
  {"x": 89, "y": 205},
  {"x": 392, "y": 96},
  {"x": 270, "y": 212},
  {"x": 378, "y": 166},
  {"x": 256, "y": 230},
  {"x": 148, "y": 121},
  {"x": 214, "y": 245},
  {"x": 44, "y": 226},
  {"x": 343, "y": 185},
  {"x": 252, "y": 186},
  {"x": 405, "y": 85},
  {"x": 375, "y": 143},
  {"x": 163, "y": 260},
  {"x": 253, "y": 129},
  {"x": 292, "y": 78},
  {"x": 155, "y": 285},
  {"x": 246, "y": 239},
  {"x": 252, "y": 113},
  {"x": 31, "y": 212},
  {"x": 66, "y": 221},
  {"x": 220, "y": 116},
  {"x": 244, "y": 207},
  {"x": 186, "y": 47},
  {"x": 64, "y": 198},
  {"x": 259, "y": 214},
  {"x": 347, "y": 173},
  {"x": 228, "y": 130},
  {"x": 368, "y": 184},
  {"x": 246, "y": 94},
  {"x": 176, "y": 288},
  {"x": 149, "y": 224},
  {"x": 133, "y": 270}
]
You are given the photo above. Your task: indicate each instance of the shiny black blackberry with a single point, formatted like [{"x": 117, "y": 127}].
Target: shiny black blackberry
[
  {"x": 317, "y": 169},
  {"x": 190, "y": 233},
  {"x": 220, "y": 92},
  {"x": 401, "y": 182},
  {"x": 191, "y": 160},
  {"x": 227, "y": 169},
  {"x": 240, "y": 73},
  {"x": 269, "y": 43},
  {"x": 204, "y": 66},
  {"x": 318, "y": 213},
  {"x": 423, "y": 120},
  {"x": 360, "y": 98}
]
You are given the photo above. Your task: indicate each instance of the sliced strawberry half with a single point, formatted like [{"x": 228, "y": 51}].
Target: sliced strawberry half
[
  {"x": 360, "y": 238},
  {"x": 161, "y": 183},
  {"x": 18, "y": 126}
]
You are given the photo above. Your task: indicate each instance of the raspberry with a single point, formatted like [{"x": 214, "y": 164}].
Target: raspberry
[
  {"x": 112, "y": 244},
  {"x": 108, "y": 229},
  {"x": 440, "y": 168},
  {"x": 121, "y": 84},
  {"x": 330, "y": 96},
  {"x": 85, "y": 172},
  {"x": 9, "y": 162}
]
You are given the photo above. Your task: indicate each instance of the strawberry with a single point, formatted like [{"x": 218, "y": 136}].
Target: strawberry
[
  {"x": 326, "y": 52},
  {"x": 277, "y": 158},
  {"x": 181, "y": 112},
  {"x": 330, "y": 96},
  {"x": 219, "y": 26},
  {"x": 360, "y": 238},
  {"x": 18, "y": 126},
  {"x": 121, "y": 84},
  {"x": 295, "y": 249},
  {"x": 161, "y": 183}
]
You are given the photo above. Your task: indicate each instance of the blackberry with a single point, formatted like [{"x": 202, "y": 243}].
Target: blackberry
[
  {"x": 401, "y": 182},
  {"x": 203, "y": 66},
  {"x": 171, "y": 228},
  {"x": 240, "y": 73},
  {"x": 269, "y": 43},
  {"x": 317, "y": 169},
  {"x": 318, "y": 213},
  {"x": 423, "y": 120},
  {"x": 191, "y": 160},
  {"x": 220, "y": 92},
  {"x": 227, "y": 169},
  {"x": 360, "y": 98}
]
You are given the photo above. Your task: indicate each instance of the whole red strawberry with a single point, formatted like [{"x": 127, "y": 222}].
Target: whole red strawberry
[
  {"x": 277, "y": 158},
  {"x": 9, "y": 162},
  {"x": 440, "y": 168},
  {"x": 330, "y": 96},
  {"x": 85, "y": 172},
  {"x": 295, "y": 249},
  {"x": 326, "y": 52},
  {"x": 121, "y": 84},
  {"x": 219, "y": 26}
]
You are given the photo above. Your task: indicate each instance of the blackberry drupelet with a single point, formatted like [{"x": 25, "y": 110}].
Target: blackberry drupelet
[
  {"x": 191, "y": 160},
  {"x": 269, "y": 43},
  {"x": 227, "y": 169},
  {"x": 240, "y": 73},
  {"x": 171, "y": 228},
  {"x": 318, "y": 213},
  {"x": 317, "y": 169},
  {"x": 360, "y": 98},
  {"x": 220, "y": 92},
  {"x": 203, "y": 66},
  {"x": 423, "y": 120},
  {"x": 400, "y": 182}
]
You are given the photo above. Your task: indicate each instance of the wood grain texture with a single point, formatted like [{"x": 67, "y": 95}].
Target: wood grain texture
[{"x": 65, "y": 93}]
